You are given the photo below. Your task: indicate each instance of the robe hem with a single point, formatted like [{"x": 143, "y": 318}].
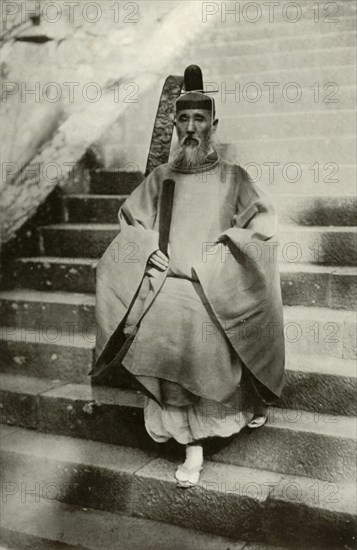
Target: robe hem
[{"x": 150, "y": 394}]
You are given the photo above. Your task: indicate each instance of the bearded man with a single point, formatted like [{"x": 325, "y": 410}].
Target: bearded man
[{"x": 199, "y": 325}]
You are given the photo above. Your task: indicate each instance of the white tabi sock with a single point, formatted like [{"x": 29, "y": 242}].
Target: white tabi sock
[{"x": 194, "y": 456}]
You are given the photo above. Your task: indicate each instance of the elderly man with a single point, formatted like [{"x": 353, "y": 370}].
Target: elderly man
[{"x": 199, "y": 326}]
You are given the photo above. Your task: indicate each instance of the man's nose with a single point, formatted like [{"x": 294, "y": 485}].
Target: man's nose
[{"x": 190, "y": 127}]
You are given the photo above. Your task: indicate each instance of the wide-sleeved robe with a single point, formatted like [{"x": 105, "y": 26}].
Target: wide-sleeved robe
[{"x": 186, "y": 333}]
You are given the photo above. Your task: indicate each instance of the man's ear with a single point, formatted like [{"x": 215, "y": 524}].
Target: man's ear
[{"x": 214, "y": 125}]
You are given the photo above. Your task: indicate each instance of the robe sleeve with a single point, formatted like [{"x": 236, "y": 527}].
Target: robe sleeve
[
  {"x": 122, "y": 266},
  {"x": 242, "y": 285},
  {"x": 255, "y": 218},
  {"x": 140, "y": 208}
]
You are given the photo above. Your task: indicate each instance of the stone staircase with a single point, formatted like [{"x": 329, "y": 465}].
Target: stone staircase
[{"x": 96, "y": 478}]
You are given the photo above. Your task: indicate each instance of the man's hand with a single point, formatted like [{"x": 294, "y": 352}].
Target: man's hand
[{"x": 159, "y": 260}]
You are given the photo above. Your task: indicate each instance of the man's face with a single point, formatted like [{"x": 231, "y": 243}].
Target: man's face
[{"x": 193, "y": 126}]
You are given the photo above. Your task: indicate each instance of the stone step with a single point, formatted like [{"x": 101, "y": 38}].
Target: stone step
[
  {"x": 307, "y": 329},
  {"x": 114, "y": 415},
  {"x": 62, "y": 313},
  {"x": 333, "y": 245},
  {"x": 245, "y": 30},
  {"x": 302, "y": 284},
  {"x": 92, "y": 208},
  {"x": 314, "y": 179},
  {"x": 255, "y": 505},
  {"x": 111, "y": 415},
  {"x": 246, "y": 112},
  {"x": 244, "y": 99},
  {"x": 115, "y": 180},
  {"x": 318, "y": 285},
  {"x": 77, "y": 240},
  {"x": 282, "y": 446},
  {"x": 269, "y": 46},
  {"x": 329, "y": 156},
  {"x": 304, "y": 179},
  {"x": 300, "y": 151},
  {"x": 318, "y": 384},
  {"x": 314, "y": 383},
  {"x": 44, "y": 524},
  {"x": 316, "y": 123},
  {"x": 84, "y": 208},
  {"x": 316, "y": 210},
  {"x": 320, "y": 331},
  {"x": 341, "y": 74},
  {"x": 239, "y": 121},
  {"x": 241, "y": 64},
  {"x": 57, "y": 355},
  {"x": 317, "y": 245},
  {"x": 291, "y": 150},
  {"x": 304, "y": 210},
  {"x": 55, "y": 273}
]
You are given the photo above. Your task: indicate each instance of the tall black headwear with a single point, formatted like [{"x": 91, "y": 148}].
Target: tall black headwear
[{"x": 194, "y": 96}]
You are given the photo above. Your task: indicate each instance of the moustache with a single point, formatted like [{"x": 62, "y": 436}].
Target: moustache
[{"x": 190, "y": 140}]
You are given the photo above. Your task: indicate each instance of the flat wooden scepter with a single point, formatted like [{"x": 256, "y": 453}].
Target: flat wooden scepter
[{"x": 167, "y": 198}]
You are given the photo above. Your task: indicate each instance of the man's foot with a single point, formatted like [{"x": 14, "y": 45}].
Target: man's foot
[{"x": 188, "y": 473}]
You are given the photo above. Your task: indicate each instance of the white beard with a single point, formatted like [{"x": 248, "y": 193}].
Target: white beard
[{"x": 188, "y": 156}]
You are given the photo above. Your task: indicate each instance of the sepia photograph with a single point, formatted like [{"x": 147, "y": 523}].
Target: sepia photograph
[{"x": 178, "y": 268}]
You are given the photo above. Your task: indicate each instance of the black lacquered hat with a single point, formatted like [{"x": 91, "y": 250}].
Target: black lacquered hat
[{"x": 194, "y": 96}]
